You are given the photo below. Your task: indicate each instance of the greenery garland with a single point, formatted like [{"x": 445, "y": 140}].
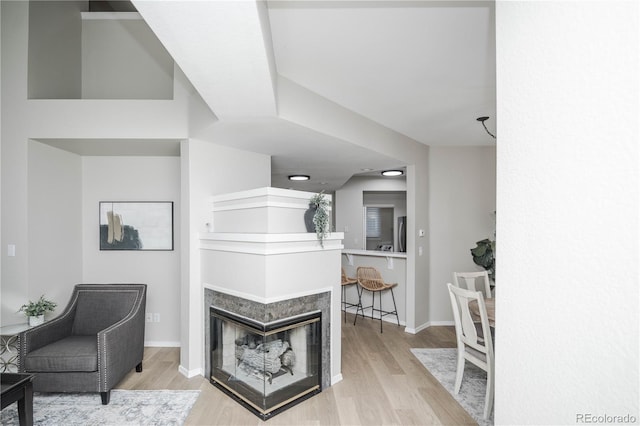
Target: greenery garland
[{"x": 321, "y": 216}]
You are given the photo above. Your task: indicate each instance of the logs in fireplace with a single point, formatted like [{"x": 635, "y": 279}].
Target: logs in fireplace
[{"x": 267, "y": 367}]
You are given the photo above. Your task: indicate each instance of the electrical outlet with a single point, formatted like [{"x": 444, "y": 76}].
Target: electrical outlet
[
  {"x": 148, "y": 317},
  {"x": 156, "y": 317}
]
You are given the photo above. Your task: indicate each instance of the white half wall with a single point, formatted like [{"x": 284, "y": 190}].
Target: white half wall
[
  {"x": 568, "y": 169},
  {"x": 463, "y": 200},
  {"x": 135, "y": 179}
]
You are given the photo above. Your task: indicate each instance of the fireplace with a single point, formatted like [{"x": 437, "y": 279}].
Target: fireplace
[
  {"x": 267, "y": 367},
  {"x": 271, "y": 338}
]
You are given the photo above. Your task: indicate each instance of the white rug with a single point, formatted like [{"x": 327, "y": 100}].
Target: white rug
[
  {"x": 441, "y": 363},
  {"x": 149, "y": 407}
]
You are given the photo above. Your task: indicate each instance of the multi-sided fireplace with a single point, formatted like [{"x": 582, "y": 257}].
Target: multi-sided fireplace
[
  {"x": 267, "y": 367},
  {"x": 272, "y": 338}
]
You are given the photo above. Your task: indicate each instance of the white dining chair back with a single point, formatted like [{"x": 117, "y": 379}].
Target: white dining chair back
[
  {"x": 468, "y": 280},
  {"x": 471, "y": 346}
]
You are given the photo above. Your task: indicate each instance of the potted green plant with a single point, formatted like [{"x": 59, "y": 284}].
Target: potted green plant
[
  {"x": 36, "y": 310},
  {"x": 319, "y": 205},
  {"x": 484, "y": 255}
]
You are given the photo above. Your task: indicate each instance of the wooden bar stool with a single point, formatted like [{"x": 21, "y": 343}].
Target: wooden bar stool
[{"x": 370, "y": 279}]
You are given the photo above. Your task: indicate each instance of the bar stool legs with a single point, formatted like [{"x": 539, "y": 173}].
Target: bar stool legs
[
  {"x": 347, "y": 282},
  {"x": 346, "y": 304},
  {"x": 379, "y": 309}
]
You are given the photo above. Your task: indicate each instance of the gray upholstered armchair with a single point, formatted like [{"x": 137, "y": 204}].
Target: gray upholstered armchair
[{"x": 92, "y": 345}]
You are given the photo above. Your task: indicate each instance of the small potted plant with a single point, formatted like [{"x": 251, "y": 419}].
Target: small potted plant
[{"x": 36, "y": 310}]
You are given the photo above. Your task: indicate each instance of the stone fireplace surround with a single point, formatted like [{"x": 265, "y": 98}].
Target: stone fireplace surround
[{"x": 269, "y": 312}]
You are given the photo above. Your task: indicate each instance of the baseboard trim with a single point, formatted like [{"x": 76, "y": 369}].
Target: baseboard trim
[
  {"x": 161, "y": 344},
  {"x": 441, "y": 323},
  {"x": 427, "y": 325},
  {"x": 335, "y": 379},
  {"x": 190, "y": 373}
]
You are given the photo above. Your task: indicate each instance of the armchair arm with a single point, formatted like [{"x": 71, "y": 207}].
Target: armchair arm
[
  {"x": 121, "y": 347},
  {"x": 44, "y": 334}
]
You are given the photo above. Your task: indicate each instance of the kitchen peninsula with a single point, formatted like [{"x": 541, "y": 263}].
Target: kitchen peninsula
[{"x": 392, "y": 267}]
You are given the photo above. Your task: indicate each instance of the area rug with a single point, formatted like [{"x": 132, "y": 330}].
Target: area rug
[
  {"x": 441, "y": 363},
  {"x": 126, "y": 408}
]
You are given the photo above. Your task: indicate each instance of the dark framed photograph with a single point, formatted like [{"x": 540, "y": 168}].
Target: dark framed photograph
[{"x": 136, "y": 225}]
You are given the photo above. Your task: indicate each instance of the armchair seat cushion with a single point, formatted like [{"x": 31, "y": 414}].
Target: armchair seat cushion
[{"x": 73, "y": 353}]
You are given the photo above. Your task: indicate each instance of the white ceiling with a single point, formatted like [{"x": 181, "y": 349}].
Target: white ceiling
[{"x": 423, "y": 70}]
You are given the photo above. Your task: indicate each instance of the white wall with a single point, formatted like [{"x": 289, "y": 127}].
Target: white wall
[
  {"x": 207, "y": 169},
  {"x": 463, "y": 199},
  {"x": 24, "y": 119},
  {"x": 461, "y": 184},
  {"x": 135, "y": 179},
  {"x": 14, "y": 283},
  {"x": 567, "y": 200},
  {"x": 349, "y": 201},
  {"x": 55, "y": 49},
  {"x": 55, "y": 225},
  {"x": 123, "y": 59}
]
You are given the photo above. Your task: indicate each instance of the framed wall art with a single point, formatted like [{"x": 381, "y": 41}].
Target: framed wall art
[{"x": 138, "y": 225}]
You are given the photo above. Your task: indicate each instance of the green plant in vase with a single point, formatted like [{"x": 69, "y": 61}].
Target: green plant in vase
[
  {"x": 36, "y": 310},
  {"x": 321, "y": 216}
]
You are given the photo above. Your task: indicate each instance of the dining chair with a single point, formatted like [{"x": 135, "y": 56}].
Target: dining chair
[
  {"x": 345, "y": 282},
  {"x": 370, "y": 279},
  {"x": 470, "y": 347},
  {"x": 469, "y": 279}
]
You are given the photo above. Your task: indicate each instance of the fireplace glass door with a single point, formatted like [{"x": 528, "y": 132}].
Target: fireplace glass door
[{"x": 266, "y": 366}]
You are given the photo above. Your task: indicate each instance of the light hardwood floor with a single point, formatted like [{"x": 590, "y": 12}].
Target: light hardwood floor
[{"x": 383, "y": 384}]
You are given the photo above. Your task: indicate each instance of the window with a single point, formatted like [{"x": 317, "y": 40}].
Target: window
[{"x": 373, "y": 222}]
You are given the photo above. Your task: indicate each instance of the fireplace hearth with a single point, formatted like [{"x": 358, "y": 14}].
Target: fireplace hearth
[{"x": 267, "y": 367}]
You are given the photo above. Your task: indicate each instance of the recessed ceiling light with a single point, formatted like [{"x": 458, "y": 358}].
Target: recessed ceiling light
[
  {"x": 299, "y": 177},
  {"x": 366, "y": 169},
  {"x": 389, "y": 173}
]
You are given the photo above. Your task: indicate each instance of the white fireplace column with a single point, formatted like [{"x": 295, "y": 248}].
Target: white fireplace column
[{"x": 260, "y": 250}]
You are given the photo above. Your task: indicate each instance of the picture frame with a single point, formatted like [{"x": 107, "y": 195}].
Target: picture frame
[{"x": 136, "y": 225}]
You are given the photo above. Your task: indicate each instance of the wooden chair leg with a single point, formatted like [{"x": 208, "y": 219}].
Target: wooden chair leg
[
  {"x": 459, "y": 371},
  {"x": 488, "y": 399}
]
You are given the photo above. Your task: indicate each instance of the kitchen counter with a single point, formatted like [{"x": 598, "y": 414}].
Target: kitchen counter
[{"x": 393, "y": 268}]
